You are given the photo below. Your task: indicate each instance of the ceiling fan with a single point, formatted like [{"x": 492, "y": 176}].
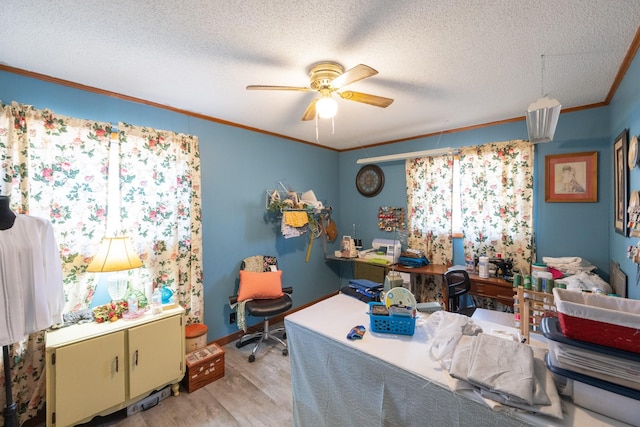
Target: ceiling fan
[{"x": 327, "y": 78}]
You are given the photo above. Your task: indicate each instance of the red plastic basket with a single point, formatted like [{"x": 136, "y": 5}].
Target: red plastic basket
[
  {"x": 598, "y": 319},
  {"x": 601, "y": 333}
]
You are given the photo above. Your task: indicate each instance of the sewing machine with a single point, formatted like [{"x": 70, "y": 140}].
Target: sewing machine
[
  {"x": 386, "y": 249},
  {"x": 504, "y": 267}
]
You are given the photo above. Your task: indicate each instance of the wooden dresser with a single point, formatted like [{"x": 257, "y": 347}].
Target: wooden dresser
[{"x": 492, "y": 287}]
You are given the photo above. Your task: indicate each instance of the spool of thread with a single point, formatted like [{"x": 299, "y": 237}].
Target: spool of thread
[
  {"x": 517, "y": 280},
  {"x": 538, "y": 286},
  {"x": 483, "y": 267},
  {"x": 549, "y": 286},
  {"x": 527, "y": 282},
  {"x": 561, "y": 286}
]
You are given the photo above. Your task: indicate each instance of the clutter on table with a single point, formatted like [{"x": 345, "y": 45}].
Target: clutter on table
[
  {"x": 594, "y": 366},
  {"x": 400, "y": 315}
]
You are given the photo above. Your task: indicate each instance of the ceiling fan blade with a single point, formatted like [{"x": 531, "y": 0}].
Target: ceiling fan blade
[
  {"x": 378, "y": 101},
  {"x": 353, "y": 75},
  {"x": 265, "y": 87},
  {"x": 310, "y": 114}
]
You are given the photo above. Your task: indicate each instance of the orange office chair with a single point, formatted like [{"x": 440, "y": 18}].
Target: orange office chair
[
  {"x": 458, "y": 284},
  {"x": 263, "y": 295}
]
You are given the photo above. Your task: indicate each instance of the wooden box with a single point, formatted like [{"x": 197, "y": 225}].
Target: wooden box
[{"x": 203, "y": 367}]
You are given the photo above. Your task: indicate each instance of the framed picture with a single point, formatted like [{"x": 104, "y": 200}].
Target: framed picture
[
  {"x": 620, "y": 183},
  {"x": 571, "y": 177}
]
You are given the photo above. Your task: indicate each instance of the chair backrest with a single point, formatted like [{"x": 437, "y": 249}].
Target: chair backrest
[
  {"x": 259, "y": 263},
  {"x": 458, "y": 283}
]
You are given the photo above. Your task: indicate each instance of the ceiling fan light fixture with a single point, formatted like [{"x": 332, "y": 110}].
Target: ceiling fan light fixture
[
  {"x": 542, "y": 119},
  {"x": 326, "y": 107}
]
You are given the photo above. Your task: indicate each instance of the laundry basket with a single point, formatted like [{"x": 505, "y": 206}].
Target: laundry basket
[{"x": 599, "y": 319}]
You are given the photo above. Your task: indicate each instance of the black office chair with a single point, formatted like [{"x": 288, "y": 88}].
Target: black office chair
[
  {"x": 458, "y": 284},
  {"x": 265, "y": 308}
]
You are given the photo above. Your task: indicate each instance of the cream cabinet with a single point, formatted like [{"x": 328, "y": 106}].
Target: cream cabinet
[{"x": 95, "y": 369}]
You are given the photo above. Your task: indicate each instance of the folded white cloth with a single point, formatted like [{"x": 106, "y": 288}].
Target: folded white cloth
[
  {"x": 503, "y": 367},
  {"x": 545, "y": 379},
  {"x": 545, "y": 398},
  {"x": 562, "y": 260}
]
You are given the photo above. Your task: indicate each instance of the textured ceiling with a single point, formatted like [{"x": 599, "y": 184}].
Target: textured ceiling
[{"x": 447, "y": 63}]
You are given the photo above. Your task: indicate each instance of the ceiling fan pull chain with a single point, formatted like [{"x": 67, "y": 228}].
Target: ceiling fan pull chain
[
  {"x": 317, "y": 137},
  {"x": 333, "y": 125}
]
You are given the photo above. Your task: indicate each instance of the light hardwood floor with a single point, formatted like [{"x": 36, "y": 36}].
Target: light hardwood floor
[{"x": 250, "y": 394}]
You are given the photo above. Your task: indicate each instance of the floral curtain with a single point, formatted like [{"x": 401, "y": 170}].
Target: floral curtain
[
  {"x": 160, "y": 209},
  {"x": 57, "y": 168},
  {"x": 429, "y": 199},
  {"x": 497, "y": 200}
]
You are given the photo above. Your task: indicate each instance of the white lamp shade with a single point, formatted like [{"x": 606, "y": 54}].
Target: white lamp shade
[
  {"x": 326, "y": 107},
  {"x": 542, "y": 119},
  {"x": 114, "y": 254}
]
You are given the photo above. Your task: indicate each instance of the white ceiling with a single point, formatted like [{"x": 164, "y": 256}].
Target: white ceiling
[{"x": 447, "y": 63}]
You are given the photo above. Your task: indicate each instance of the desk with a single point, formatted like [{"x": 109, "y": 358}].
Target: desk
[
  {"x": 492, "y": 287},
  {"x": 384, "y": 380}
]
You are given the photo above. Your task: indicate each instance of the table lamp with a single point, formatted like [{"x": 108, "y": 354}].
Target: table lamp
[{"x": 115, "y": 254}]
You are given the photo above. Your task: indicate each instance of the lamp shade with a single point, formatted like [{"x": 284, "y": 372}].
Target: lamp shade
[
  {"x": 114, "y": 254},
  {"x": 542, "y": 119}
]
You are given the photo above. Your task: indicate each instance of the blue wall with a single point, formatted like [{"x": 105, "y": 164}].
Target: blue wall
[
  {"x": 239, "y": 165},
  {"x": 625, "y": 114},
  {"x": 562, "y": 229}
]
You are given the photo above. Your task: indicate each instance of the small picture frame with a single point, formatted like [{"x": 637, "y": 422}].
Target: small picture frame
[
  {"x": 571, "y": 177},
  {"x": 620, "y": 182}
]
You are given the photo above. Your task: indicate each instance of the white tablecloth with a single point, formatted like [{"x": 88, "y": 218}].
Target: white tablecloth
[{"x": 385, "y": 379}]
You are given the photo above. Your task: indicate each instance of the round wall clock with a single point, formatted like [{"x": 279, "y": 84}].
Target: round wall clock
[
  {"x": 370, "y": 180},
  {"x": 633, "y": 152}
]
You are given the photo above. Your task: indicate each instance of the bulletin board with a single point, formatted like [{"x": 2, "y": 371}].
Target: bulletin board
[{"x": 391, "y": 219}]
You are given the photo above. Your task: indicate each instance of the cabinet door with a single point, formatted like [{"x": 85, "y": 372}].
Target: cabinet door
[
  {"x": 94, "y": 377},
  {"x": 156, "y": 354}
]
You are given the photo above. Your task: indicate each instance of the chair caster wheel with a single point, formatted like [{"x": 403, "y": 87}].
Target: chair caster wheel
[
  {"x": 284, "y": 336},
  {"x": 252, "y": 358},
  {"x": 285, "y": 352},
  {"x": 238, "y": 344}
]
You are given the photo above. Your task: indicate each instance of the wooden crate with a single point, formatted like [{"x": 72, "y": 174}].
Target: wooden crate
[{"x": 204, "y": 366}]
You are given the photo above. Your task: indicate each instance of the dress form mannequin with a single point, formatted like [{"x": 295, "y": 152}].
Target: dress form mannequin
[{"x": 7, "y": 217}]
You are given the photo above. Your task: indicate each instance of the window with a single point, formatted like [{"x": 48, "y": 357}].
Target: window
[{"x": 486, "y": 192}]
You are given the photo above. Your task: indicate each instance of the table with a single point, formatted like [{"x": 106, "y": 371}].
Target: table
[
  {"x": 383, "y": 379},
  {"x": 492, "y": 287}
]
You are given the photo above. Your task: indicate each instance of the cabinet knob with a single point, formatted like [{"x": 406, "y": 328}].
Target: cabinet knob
[{"x": 117, "y": 365}]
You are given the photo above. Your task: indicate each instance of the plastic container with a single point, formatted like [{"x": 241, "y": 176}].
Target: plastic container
[
  {"x": 604, "y": 363},
  {"x": 537, "y": 268},
  {"x": 401, "y": 325},
  {"x": 483, "y": 267},
  {"x": 599, "y": 319},
  {"x": 132, "y": 303},
  {"x": 156, "y": 302},
  {"x": 611, "y": 400}
]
